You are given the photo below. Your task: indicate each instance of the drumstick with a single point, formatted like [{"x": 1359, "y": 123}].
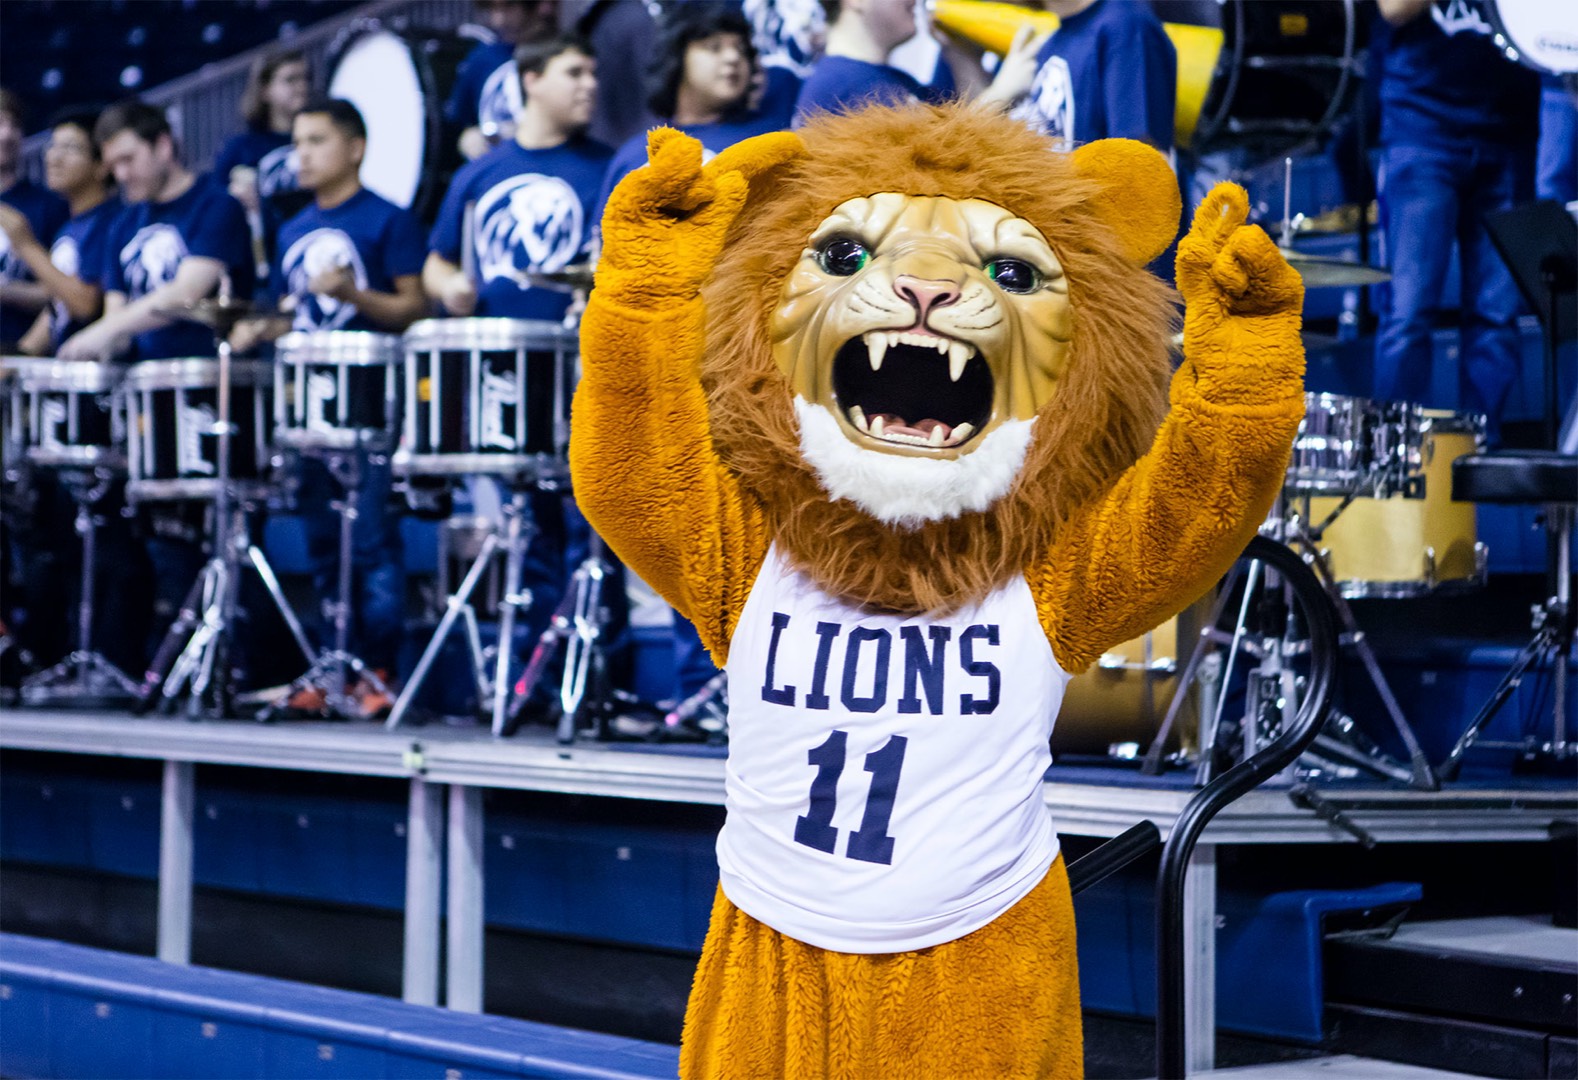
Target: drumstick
[{"x": 468, "y": 242}]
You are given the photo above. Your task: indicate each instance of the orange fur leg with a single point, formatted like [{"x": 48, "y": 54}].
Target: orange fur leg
[{"x": 1001, "y": 1002}]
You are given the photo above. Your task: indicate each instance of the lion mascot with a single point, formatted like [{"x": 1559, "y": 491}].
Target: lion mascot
[{"x": 884, "y": 408}]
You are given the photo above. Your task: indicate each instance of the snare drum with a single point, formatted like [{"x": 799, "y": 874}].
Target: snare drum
[
  {"x": 171, "y": 412},
  {"x": 487, "y": 397},
  {"x": 1418, "y": 540},
  {"x": 1345, "y": 443},
  {"x": 63, "y": 414},
  {"x": 336, "y": 389}
]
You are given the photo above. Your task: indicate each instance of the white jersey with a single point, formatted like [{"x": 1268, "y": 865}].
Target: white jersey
[{"x": 884, "y": 774}]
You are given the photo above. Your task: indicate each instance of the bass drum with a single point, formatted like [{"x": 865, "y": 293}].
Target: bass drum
[
  {"x": 1286, "y": 71},
  {"x": 1541, "y": 34},
  {"x": 398, "y": 81}
]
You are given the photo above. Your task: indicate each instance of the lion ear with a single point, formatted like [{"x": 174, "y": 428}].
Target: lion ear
[{"x": 1138, "y": 194}]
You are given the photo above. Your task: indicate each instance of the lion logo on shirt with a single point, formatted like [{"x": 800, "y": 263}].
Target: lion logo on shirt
[
  {"x": 151, "y": 258},
  {"x": 319, "y": 251},
  {"x": 528, "y": 222},
  {"x": 66, "y": 257},
  {"x": 1049, "y": 106},
  {"x": 277, "y": 172},
  {"x": 500, "y": 99}
]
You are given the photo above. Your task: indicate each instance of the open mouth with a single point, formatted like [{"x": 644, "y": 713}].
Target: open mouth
[{"x": 913, "y": 389}]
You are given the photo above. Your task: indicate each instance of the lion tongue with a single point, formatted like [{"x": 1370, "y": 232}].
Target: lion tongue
[{"x": 921, "y": 429}]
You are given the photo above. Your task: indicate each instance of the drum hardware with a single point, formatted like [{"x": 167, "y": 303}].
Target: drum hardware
[
  {"x": 1317, "y": 271},
  {"x": 85, "y": 673},
  {"x": 512, "y": 536},
  {"x": 578, "y": 622},
  {"x": 327, "y": 668},
  {"x": 567, "y": 279},
  {"x": 707, "y": 710},
  {"x": 192, "y": 657}
]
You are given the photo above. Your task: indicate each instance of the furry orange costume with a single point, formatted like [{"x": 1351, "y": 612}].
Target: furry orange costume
[{"x": 687, "y": 457}]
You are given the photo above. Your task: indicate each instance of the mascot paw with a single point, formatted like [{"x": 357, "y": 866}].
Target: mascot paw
[
  {"x": 1233, "y": 268},
  {"x": 666, "y": 224}
]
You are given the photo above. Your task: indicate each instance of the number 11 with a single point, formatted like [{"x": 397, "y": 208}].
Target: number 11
[{"x": 871, "y": 842}]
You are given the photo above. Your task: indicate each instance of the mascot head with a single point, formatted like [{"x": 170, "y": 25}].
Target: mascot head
[{"x": 932, "y": 341}]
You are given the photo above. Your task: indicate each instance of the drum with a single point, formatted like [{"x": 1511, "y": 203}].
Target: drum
[
  {"x": 171, "y": 412},
  {"x": 336, "y": 389},
  {"x": 1415, "y": 541},
  {"x": 13, "y": 416},
  {"x": 487, "y": 397},
  {"x": 1345, "y": 443},
  {"x": 1115, "y": 708},
  {"x": 1286, "y": 71},
  {"x": 1537, "y": 33},
  {"x": 64, "y": 416},
  {"x": 399, "y": 83}
]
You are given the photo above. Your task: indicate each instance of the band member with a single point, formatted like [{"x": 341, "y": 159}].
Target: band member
[
  {"x": 1108, "y": 71},
  {"x": 258, "y": 164},
  {"x": 1458, "y": 130},
  {"x": 70, "y": 268},
  {"x": 532, "y": 197},
  {"x": 854, "y": 71},
  {"x": 21, "y": 298},
  {"x": 350, "y": 261},
  {"x": 179, "y": 237},
  {"x": 486, "y": 95},
  {"x": 531, "y": 202}
]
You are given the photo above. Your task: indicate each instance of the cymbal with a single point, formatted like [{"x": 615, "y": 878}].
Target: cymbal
[
  {"x": 1323, "y": 272},
  {"x": 211, "y": 312},
  {"x": 567, "y": 279}
]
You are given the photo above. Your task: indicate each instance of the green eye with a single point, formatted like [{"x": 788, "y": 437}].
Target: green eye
[
  {"x": 843, "y": 257},
  {"x": 1013, "y": 275}
]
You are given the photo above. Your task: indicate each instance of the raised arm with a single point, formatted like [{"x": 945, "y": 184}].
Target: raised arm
[
  {"x": 641, "y": 456},
  {"x": 1177, "y": 519}
]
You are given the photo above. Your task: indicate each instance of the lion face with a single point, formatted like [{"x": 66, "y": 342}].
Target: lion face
[{"x": 923, "y": 324}]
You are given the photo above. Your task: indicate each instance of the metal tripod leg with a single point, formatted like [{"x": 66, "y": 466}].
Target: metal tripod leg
[
  {"x": 459, "y": 600},
  {"x": 514, "y": 600}
]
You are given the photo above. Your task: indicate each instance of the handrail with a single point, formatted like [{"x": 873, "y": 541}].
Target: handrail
[{"x": 1171, "y": 1062}]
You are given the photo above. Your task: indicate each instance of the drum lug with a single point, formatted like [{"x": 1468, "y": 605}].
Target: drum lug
[
  {"x": 1481, "y": 562},
  {"x": 1430, "y": 567}
]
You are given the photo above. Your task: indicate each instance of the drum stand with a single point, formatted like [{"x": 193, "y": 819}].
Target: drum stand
[
  {"x": 1273, "y": 679},
  {"x": 707, "y": 709},
  {"x": 517, "y": 532},
  {"x": 194, "y": 653},
  {"x": 327, "y": 669},
  {"x": 578, "y": 622},
  {"x": 85, "y": 674}
]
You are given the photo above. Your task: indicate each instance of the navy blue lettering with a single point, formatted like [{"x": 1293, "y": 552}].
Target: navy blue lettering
[
  {"x": 879, "y": 689},
  {"x": 871, "y": 843},
  {"x": 814, "y": 828},
  {"x": 770, "y": 694},
  {"x": 969, "y": 703},
  {"x": 825, "y": 632},
  {"x": 924, "y": 669}
]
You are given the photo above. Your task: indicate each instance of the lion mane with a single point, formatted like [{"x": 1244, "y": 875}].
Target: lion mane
[{"x": 1101, "y": 420}]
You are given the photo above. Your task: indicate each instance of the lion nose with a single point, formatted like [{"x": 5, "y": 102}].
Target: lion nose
[{"x": 926, "y": 293}]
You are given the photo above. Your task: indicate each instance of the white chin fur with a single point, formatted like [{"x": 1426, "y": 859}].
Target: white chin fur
[{"x": 905, "y": 491}]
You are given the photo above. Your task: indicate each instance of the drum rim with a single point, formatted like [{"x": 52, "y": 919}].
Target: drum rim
[
  {"x": 84, "y": 376},
  {"x": 486, "y": 333},
  {"x": 343, "y": 348},
  {"x": 194, "y": 373}
]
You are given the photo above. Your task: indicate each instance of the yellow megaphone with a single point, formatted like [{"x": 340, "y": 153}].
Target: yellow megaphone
[{"x": 992, "y": 26}]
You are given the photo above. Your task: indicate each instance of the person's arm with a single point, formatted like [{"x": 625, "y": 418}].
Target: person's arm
[
  {"x": 197, "y": 277},
  {"x": 1179, "y": 517},
  {"x": 391, "y": 311},
  {"x": 644, "y": 468},
  {"x": 36, "y": 341},
  {"x": 1402, "y": 12},
  {"x": 449, "y": 285},
  {"x": 1017, "y": 71},
  {"x": 82, "y": 298}
]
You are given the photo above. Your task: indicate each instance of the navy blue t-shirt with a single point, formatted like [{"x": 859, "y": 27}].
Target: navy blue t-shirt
[
  {"x": 147, "y": 243},
  {"x": 78, "y": 250},
  {"x": 1443, "y": 82},
  {"x": 533, "y": 212},
  {"x": 714, "y": 139},
  {"x": 1108, "y": 72},
  {"x": 482, "y": 90},
  {"x": 46, "y": 212},
  {"x": 842, "y": 84},
  {"x": 269, "y": 152},
  {"x": 375, "y": 238}
]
